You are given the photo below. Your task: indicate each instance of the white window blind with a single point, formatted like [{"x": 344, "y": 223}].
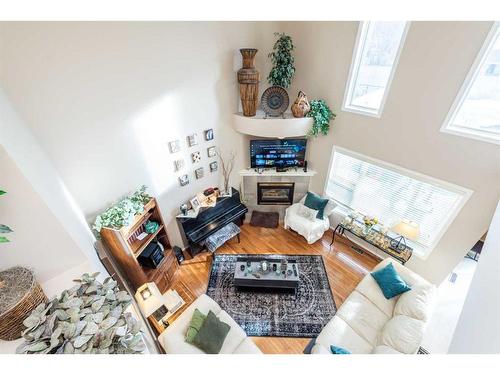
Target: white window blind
[
  {"x": 392, "y": 193},
  {"x": 375, "y": 59},
  {"x": 476, "y": 110}
]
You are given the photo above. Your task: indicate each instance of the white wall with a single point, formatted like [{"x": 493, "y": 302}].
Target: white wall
[
  {"x": 39, "y": 240},
  {"x": 433, "y": 64},
  {"x": 103, "y": 100},
  {"x": 478, "y": 329}
]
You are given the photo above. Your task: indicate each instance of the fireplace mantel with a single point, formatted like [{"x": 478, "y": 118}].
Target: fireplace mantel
[{"x": 251, "y": 172}]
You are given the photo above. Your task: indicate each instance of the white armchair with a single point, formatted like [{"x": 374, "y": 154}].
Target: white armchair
[{"x": 311, "y": 230}]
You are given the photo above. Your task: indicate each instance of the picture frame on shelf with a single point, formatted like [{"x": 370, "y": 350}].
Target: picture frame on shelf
[
  {"x": 211, "y": 152},
  {"x": 174, "y": 146},
  {"x": 199, "y": 173},
  {"x": 214, "y": 166},
  {"x": 192, "y": 140},
  {"x": 196, "y": 157},
  {"x": 209, "y": 134},
  {"x": 184, "y": 180},
  {"x": 179, "y": 164},
  {"x": 195, "y": 203}
]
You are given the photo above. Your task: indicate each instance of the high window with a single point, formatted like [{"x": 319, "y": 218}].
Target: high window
[
  {"x": 391, "y": 193},
  {"x": 374, "y": 61},
  {"x": 476, "y": 110}
]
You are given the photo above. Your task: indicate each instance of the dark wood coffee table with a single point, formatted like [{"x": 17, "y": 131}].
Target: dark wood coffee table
[{"x": 254, "y": 276}]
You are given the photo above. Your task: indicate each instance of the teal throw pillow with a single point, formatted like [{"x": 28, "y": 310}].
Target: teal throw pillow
[
  {"x": 315, "y": 202},
  {"x": 211, "y": 335},
  {"x": 390, "y": 282},
  {"x": 338, "y": 350}
]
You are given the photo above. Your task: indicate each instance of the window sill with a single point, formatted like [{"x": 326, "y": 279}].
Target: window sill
[
  {"x": 362, "y": 111},
  {"x": 471, "y": 134}
]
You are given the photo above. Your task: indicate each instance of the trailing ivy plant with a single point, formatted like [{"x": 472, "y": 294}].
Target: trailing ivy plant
[
  {"x": 283, "y": 69},
  {"x": 322, "y": 115},
  {"x": 4, "y": 228},
  {"x": 123, "y": 212}
]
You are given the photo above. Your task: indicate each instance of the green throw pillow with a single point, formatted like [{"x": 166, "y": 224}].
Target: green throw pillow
[
  {"x": 211, "y": 335},
  {"x": 195, "y": 325},
  {"x": 315, "y": 202}
]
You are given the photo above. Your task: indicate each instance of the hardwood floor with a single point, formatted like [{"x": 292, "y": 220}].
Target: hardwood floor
[{"x": 345, "y": 268}]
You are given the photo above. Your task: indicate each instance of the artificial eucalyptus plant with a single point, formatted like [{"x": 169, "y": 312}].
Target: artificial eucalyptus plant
[
  {"x": 322, "y": 115},
  {"x": 88, "y": 318},
  {"x": 283, "y": 69},
  {"x": 4, "y": 228},
  {"x": 123, "y": 212}
]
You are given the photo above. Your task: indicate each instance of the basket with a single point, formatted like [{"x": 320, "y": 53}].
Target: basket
[{"x": 19, "y": 296}]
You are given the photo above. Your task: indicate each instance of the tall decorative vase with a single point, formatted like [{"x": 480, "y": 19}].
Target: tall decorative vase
[{"x": 248, "y": 79}]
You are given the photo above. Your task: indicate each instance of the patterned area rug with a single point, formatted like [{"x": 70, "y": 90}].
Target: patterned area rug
[{"x": 271, "y": 312}]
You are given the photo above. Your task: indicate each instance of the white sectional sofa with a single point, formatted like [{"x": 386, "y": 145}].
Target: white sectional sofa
[
  {"x": 237, "y": 342},
  {"x": 367, "y": 322}
]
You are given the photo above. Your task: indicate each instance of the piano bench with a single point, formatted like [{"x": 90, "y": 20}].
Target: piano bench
[{"x": 219, "y": 238}]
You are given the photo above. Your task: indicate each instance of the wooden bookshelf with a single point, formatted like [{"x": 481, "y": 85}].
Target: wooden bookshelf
[{"x": 125, "y": 247}]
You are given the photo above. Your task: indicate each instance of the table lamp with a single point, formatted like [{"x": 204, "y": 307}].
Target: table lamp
[
  {"x": 406, "y": 229},
  {"x": 149, "y": 298}
]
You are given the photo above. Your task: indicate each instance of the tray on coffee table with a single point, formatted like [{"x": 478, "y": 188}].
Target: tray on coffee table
[{"x": 256, "y": 276}]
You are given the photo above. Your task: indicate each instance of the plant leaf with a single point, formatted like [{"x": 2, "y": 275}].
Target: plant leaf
[
  {"x": 5, "y": 229},
  {"x": 2, "y": 192},
  {"x": 4, "y": 239}
]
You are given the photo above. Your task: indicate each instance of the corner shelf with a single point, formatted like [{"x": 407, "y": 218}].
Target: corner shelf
[{"x": 272, "y": 127}]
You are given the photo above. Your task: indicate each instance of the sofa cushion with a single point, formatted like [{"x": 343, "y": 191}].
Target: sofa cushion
[
  {"x": 307, "y": 213},
  {"x": 390, "y": 282},
  {"x": 194, "y": 325},
  {"x": 363, "y": 317},
  {"x": 383, "y": 349},
  {"x": 247, "y": 346},
  {"x": 417, "y": 303},
  {"x": 316, "y": 202},
  {"x": 337, "y": 332},
  {"x": 235, "y": 336},
  {"x": 370, "y": 289},
  {"x": 403, "y": 334},
  {"x": 212, "y": 334}
]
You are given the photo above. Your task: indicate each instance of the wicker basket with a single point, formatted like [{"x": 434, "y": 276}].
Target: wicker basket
[{"x": 22, "y": 293}]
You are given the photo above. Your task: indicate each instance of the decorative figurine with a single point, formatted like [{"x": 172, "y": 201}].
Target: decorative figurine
[{"x": 301, "y": 105}]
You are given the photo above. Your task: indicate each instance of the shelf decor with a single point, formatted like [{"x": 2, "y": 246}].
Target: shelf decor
[
  {"x": 275, "y": 101},
  {"x": 248, "y": 80}
]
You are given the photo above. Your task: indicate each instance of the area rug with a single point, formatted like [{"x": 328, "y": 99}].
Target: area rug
[
  {"x": 264, "y": 219},
  {"x": 271, "y": 312}
]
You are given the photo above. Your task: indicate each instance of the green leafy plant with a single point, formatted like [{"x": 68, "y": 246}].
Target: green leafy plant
[
  {"x": 123, "y": 212},
  {"x": 88, "y": 318},
  {"x": 283, "y": 69},
  {"x": 322, "y": 115},
  {"x": 4, "y": 228}
]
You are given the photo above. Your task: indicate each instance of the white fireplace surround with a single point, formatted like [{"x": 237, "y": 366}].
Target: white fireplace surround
[{"x": 250, "y": 177}]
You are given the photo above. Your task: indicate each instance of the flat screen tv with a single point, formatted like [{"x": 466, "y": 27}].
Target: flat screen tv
[{"x": 279, "y": 153}]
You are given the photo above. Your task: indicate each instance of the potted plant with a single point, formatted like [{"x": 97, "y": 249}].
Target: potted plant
[
  {"x": 88, "y": 318},
  {"x": 283, "y": 69},
  {"x": 322, "y": 115},
  {"x": 4, "y": 228},
  {"x": 123, "y": 212}
]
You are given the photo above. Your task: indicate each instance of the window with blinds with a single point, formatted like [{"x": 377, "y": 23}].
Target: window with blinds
[{"x": 391, "y": 193}]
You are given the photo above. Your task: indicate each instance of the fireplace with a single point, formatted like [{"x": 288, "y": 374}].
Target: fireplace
[{"x": 276, "y": 193}]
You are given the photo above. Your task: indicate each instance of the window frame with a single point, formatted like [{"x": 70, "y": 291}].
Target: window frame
[
  {"x": 464, "y": 192},
  {"x": 354, "y": 71},
  {"x": 462, "y": 94}
]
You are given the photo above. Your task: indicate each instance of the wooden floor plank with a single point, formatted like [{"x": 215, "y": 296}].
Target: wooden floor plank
[{"x": 345, "y": 268}]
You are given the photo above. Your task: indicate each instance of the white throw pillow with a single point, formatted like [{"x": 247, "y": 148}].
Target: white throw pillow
[{"x": 307, "y": 212}]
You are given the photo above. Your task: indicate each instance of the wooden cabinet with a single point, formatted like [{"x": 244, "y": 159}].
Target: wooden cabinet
[{"x": 125, "y": 247}]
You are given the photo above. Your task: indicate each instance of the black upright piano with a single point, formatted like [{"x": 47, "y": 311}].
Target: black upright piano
[{"x": 211, "y": 219}]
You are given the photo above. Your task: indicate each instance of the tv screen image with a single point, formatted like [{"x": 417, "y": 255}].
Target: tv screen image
[{"x": 280, "y": 153}]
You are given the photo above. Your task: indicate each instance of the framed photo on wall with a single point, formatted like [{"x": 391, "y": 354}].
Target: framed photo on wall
[
  {"x": 184, "y": 180},
  {"x": 192, "y": 140},
  {"x": 211, "y": 152},
  {"x": 179, "y": 164},
  {"x": 174, "y": 146},
  {"x": 213, "y": 166},
  {"x": 209, "y": 134},
  {"x": 199, "y": 173},
  {"x": 196, "y": 157}
]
